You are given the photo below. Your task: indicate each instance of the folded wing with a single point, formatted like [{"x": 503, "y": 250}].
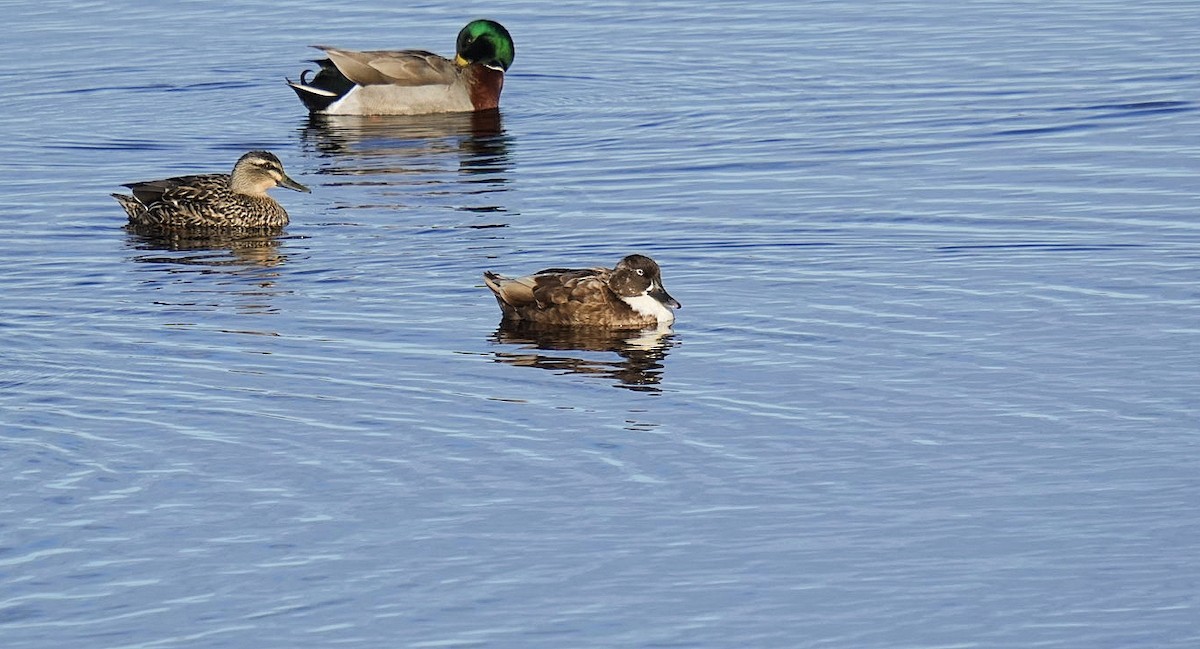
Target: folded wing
[{"x": 392, "y": 67}]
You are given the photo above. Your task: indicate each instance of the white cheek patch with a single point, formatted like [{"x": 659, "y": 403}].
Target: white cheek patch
[{"x": 648, "y": 306}]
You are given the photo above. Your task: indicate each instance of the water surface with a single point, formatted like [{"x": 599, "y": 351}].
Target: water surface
[{"x": 933, "y": 383}]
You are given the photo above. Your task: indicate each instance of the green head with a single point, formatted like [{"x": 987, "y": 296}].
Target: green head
[{"x": 486, "y": 42}]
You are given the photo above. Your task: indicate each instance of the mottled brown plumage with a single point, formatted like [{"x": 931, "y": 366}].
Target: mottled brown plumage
[
  {"x": 212, "y": 201},
  {"x": 630, "y": 295}
]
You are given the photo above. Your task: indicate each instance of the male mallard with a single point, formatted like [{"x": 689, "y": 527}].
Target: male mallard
[
  {"x": 212, "y": 201},
  {"x": 630, "y": 295},
  {"x": 412, "y": 82}
]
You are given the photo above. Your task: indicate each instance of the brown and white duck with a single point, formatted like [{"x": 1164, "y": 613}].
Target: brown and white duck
[{"x": 627, "y": 296}]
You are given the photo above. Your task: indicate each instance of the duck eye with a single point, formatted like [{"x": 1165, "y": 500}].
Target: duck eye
[{"x": 641, "y": 272}]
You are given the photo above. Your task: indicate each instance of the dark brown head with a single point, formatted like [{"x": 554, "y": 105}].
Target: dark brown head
[{"x": 637, "y": 276}]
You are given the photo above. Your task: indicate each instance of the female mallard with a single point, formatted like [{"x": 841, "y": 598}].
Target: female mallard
[
  {"x": 212, "y": 201},
  {"x": 412, "y": 82},
  {"x": 630, "y": 295}
]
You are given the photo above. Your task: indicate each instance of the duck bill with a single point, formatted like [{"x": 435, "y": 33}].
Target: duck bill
[
  {"x": 291, "y": 184},
  {"x": 460, "y": 61},
  {"x": 659, "y": 293}
]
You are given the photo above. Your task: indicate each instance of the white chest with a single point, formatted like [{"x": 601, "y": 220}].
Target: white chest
[{"x": 648, "y": 306}]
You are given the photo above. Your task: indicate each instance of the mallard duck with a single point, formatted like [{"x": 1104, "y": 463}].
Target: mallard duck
[
  {"x": 412, "y": 82},
  {"x": 212, "y": 201},
  {"x": 630, "y": 295}
]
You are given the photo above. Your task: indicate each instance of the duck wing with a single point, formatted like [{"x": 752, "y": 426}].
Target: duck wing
[
  {"x": 563, "y": 285},
  {"x": 179, "y": 189},
  {"x": 392, "y": 67},
  {"x": 545, "y": 287}
]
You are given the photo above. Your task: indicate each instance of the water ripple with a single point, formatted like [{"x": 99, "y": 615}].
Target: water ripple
[{"x": 933, "y": 383}]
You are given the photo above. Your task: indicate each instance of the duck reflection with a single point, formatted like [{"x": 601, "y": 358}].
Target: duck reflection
[
  {"x": 640, "y": 353},
  {"x": 400, "y": 144},
  {"x": 245, "y": 265},
  {"x": 225, "y": 248},
  {"x": 456, "y": 160}
]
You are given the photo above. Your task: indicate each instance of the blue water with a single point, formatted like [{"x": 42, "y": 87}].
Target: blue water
[{"x": 933, "y": 384}]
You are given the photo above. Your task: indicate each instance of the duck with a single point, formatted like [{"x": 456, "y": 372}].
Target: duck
[
  {"x": 630, "y": 295},
  {"x": 411, "y": 82},
  {"x": 212, "y": 201}
]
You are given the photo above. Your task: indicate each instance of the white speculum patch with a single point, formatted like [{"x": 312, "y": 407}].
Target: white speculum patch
[{"x": 646, "y": 305}]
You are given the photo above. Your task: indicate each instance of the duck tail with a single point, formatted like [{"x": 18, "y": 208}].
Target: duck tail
[
  {"x": 131, "y": 205},
  {"x": 493, "y": 281},
  {"x": 326, "y": 86},
  {"x": 510, "y": 293}
]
